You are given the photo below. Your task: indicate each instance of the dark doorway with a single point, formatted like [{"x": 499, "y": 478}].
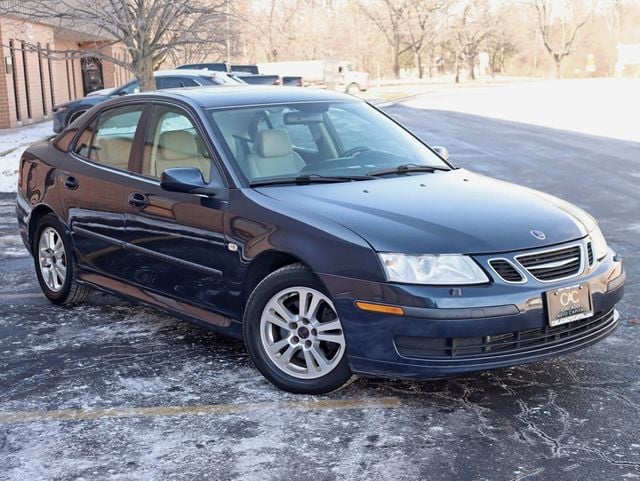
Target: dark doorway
[{"x": 91, "y": 74}]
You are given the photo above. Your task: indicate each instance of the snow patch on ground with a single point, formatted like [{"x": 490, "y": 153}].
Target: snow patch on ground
[
  {"x": 600, "y": 107},
  {"x": 12, "y": 144}
]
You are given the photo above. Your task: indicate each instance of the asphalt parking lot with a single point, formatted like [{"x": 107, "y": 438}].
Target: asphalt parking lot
[{"x": 112, "y": 391}]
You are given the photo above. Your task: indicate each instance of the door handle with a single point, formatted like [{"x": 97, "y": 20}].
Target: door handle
[
  {"x": 138, "y": 200},
  {"x": 70, "y": 182}
]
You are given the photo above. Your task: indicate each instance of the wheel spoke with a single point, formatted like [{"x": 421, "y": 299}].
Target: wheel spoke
[
  {"x": 58, "y": 249},
  {"x": 282, "y": 311},
  {"x": 61, "y": 272},
  {"x": 51, "y": 239},
  {"x": 328, "y": 326},
  {"x": 333, "y": 338},
  {"x": 308, "y": 358},
  {"x": 311, "y": 307},
  {"x": 302, "y": 301},
  {"x": 50, "y": 277},
  {"x": 286, "y": 356},
  {"x": 318, "y": 356},
  {"x": 277, "y": 346},
  {"x": 276, "y": 320}
]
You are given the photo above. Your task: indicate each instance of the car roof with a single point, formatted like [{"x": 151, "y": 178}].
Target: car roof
[
  {"x": 247, "y": 95},
  {"x": 186, "y": 73}
]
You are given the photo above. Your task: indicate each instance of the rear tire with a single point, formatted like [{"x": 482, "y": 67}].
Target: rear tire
[
  {"x": 293, "y": 333},
  {"x": 55, "y": 263}
]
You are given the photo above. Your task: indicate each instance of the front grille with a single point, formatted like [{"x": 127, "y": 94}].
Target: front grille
[
  {"x": 554, "y": 264},
  {"x": 505, "y": 344},
  {"x": 506, "y": 270},
  {"x": 590, "y": 253}
]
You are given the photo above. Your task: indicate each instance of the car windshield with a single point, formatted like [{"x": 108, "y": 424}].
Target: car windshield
[{"x": 319, "y": 139}]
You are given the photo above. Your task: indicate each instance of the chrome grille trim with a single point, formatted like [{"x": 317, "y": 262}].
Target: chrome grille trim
[
  {"x": 523, "y": 276},
  {"x": 554, "y": 264}
]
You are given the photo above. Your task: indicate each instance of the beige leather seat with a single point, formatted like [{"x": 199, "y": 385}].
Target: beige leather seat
[
  {"x": 178, "y": 148},
  {"x": 273, "y": 156},
  {"x": 114, "y": 151}
]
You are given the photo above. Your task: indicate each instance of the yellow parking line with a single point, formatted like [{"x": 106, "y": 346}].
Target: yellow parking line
[{"x": 210, "y": 409}]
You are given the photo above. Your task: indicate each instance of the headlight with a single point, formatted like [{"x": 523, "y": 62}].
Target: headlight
[
  {"x": 599, "y": 244},
  {"x": 445, "y": 269},
  {"x": 60, "y": 108}
]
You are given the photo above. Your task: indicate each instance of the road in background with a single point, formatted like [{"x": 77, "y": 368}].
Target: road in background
[{"x": 112, "y": 391}]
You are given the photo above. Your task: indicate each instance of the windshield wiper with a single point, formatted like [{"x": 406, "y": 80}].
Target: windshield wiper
[
  {"x": 311, "y": 179},
  {"x": 405, "y": 169}
]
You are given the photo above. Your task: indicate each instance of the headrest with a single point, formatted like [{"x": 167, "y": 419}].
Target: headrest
[
  {"x": 177, "y": 145},
  {"x": 273, "y": 143}
]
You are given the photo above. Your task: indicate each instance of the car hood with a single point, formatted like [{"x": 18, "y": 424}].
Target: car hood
[
  {"x": 444, "y": 212},
  {"x": 89, "y": 100}
]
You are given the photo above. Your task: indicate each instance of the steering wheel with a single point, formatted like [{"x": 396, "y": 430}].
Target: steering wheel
[{"x": 355, "y": 151}]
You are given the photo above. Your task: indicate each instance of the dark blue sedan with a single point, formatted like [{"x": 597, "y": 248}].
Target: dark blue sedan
[{"x": 317, "y": 229}]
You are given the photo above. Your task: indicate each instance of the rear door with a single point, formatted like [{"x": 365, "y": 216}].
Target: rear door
[
  {"x": 177, "y": 239},
  {"x": 93, "y": 193}
]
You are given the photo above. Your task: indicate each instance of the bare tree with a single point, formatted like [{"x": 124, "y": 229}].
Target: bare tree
[
  {"x": 150, "y": 30},
  {"x": 423, "y": 26},
  {"x": 471, "y": 30},
  {"x": 559, "y": 29},
  {"x": 274, "y": 26},
  {"x": 390, "y": 16}
]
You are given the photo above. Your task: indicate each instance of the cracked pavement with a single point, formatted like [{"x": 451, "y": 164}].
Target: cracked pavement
[{"x": 575, "y": 417}]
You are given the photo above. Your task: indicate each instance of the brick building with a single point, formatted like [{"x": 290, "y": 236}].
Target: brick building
[{"x": 38, "y": 71}]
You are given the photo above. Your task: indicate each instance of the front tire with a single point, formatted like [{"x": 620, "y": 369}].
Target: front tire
[
  {"x": 293, "y": 333},
  {"x": 55, "y": 265}
]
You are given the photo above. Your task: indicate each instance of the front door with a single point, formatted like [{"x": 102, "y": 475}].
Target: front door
[{"x": 177, "y": 240}]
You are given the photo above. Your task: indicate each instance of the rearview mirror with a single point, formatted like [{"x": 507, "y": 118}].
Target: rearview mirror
[
  {"x": 188, "y": 180},
  {"x": 442, "y": 151},
  {"x": 298, "y": 118}
]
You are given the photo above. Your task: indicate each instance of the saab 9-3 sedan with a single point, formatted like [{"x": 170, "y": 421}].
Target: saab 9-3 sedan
[{"x": 316, "y": 228}]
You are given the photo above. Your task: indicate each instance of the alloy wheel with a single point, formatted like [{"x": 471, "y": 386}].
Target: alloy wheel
[
  {"x": 52, "y": 259},
  {"x": 301, "y": 333}
]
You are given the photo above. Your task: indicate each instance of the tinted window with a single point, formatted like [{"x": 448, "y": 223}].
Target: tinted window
[
  {"x": 175, "y": 82},
  {"x": 85, "y": 140},
  {"x": 353, "y": 130},
  {"x": 317, "y": 138},
  {"x": 130, "y": 88},
  {"x": 173, "y": 141},
  {"x": 113, "y": 138}
]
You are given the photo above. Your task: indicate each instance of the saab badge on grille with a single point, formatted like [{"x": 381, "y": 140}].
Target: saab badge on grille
[{"x": 538, "y": 234}]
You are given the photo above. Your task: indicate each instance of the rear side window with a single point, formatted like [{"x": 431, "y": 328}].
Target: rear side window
[
  {"x": 109, "y": 139},
  {"x": 175, "y": 82},
  {"x": 85, "y": 140}
]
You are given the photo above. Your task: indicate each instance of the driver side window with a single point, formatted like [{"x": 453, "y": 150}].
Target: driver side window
[{"x": 173, "y": 141}]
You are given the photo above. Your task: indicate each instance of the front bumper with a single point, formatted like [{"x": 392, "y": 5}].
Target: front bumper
[{"x": 448, "y": 331}]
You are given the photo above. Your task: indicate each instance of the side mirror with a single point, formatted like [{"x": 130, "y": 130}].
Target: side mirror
[
  {"x": 442, "y": 151},
  {"x": 121, "y": 93},
  {"x": 188, "y": 180}
]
